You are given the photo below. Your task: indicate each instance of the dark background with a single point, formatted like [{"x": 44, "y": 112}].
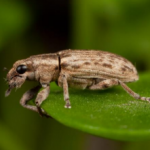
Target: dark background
[{"x": 34, "y": 27}]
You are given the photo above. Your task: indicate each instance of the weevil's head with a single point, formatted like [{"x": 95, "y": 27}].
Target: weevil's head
[{"x": 21, "y": 71}]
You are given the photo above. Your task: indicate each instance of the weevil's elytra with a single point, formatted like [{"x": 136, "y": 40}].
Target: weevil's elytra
[
  {"x": 64, "y": 65},
  {"x": 88, "y": 63},
  {"x": 95, "y": 70},
  {"x": 107, "y": 65}
]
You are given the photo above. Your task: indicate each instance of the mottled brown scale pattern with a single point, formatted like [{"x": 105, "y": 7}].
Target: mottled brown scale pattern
[
  {"x": 65, "y": 55},
  {"x": 96, "y": 63},
  {"x": 125, "y": 60},
  {"x": 101, "y": 69},
  {"x": 107, "y": 65},
  {"x": 87, "y": 63},
  {"x": 44, "y": 56},
  {"x": 102, "y": 57},
  {"x": 76, "y": 66},
  {"x": 100, "y": 60},
  {"x": 64, "y": 65},
  {"x": 129, "y": 69},
  {"x": 123, "y": 69},
  {"x": 111, "y": 61},
  {"x": 56, "y": 68}
]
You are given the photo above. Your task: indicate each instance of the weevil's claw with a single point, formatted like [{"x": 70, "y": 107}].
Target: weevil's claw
[
  {"x": 8, "y": 91},
  {"x": 47, "y": 116},
  {"x": 68, "y": 106},
  {"x": 43, "y": 113}
]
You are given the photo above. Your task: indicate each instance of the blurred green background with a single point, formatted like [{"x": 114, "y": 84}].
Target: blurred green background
[{"x": 34, "y": 27}]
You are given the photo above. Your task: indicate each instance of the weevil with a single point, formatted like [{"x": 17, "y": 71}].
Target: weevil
[{"x": 91, "y": 69}]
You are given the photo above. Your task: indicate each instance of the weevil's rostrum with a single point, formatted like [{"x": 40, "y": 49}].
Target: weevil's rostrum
[{"x": 92, "y": 69}]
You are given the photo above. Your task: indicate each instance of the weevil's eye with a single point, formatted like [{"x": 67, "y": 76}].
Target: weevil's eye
[{"x": 21, "y": 69}]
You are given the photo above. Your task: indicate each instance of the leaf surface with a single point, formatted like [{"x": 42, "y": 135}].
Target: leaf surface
[{"x": 110, "y": 113}]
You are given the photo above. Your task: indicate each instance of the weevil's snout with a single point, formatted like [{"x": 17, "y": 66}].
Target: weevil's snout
[
  {"x": 15, "y": 79},
  {"x": 8, "y": 91},
  {"x": 10, "y": 81}
]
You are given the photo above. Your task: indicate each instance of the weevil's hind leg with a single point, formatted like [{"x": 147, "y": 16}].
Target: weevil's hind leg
[
  {"x": 66, "y": 94},
  {"x": 132, "y": 93},
  {"x": 111, "y": 82},
  {"x": 42, "y": 95},
  {"x": 28, "y": 96},
  {"x": 104, "y": 84}
]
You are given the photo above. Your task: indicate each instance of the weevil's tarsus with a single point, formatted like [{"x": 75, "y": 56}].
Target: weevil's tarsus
[
  {"x": 145, "y": 99},
  {"x": 132, "y": 93}
]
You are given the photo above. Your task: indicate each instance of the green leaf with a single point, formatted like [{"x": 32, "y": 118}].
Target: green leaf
[
  {"x": 9, "y": 140},
  {"x": 110, "y": 113}
]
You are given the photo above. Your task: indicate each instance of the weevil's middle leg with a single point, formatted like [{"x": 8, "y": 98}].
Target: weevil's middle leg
[
  {"x": 66, "y": 81},
  {"x": 66, "y": 94}
]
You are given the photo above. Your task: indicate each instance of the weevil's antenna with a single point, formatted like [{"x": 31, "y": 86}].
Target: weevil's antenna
[
  {"x": 5, "y": 79},
  {"x": 5, "y": 69}
]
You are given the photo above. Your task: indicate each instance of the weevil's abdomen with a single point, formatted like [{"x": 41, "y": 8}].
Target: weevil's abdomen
[{"x": 97, "y": 64}]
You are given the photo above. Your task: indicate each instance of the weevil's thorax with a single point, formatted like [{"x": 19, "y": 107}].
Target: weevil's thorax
[{"x": 46, "y": 67}]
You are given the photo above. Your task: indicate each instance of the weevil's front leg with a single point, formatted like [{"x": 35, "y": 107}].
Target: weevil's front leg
[
  {"x": 28, "y": 96},
  {"x": 132, "y": 93},
  {"x": 66, "y": 94},
  {"x": 42, "y": 95}
]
